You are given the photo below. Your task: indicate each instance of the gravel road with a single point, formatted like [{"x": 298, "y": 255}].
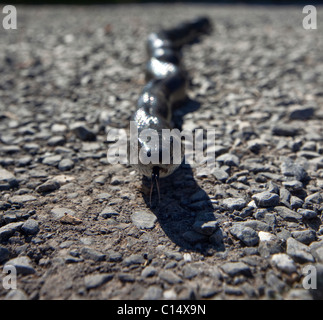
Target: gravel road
[{"x": 77, "y": 227}]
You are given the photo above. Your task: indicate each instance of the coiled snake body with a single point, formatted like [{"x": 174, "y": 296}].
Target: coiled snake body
[{"x": 164, "y": 91}]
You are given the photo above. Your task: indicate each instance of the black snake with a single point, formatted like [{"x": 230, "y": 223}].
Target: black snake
[{"x": 164, "y": 91}]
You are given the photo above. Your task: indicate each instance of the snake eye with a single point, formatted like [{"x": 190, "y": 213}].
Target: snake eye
[{"x": 149, "y": 153}]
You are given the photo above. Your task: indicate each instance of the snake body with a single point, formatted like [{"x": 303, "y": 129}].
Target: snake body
[{"x": 165, "y": 90}]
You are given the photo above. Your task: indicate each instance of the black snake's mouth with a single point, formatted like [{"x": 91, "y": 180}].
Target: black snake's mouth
[{"x": 155, "y": 173}]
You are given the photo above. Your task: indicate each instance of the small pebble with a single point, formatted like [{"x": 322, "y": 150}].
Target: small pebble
[
  {"x": 66, "y": 164},
  {"x": 144, "y": 219},
  {"x": 48, "y": 186},
  {"x": 284, "y": 262},
  {"x": 234, "y": 203},
  {"x": 247, "y": 235},
  {"x": 22, "y": 265},
  {"x": 30, "y": 227}
]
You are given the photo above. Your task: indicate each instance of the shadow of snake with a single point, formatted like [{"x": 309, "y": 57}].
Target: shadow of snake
[{"x": 178, "y": 213}]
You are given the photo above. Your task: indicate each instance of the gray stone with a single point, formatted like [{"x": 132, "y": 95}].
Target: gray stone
[
  {"x": 4, "y": 205},
  {"x": 134, "y": 259},
  {"x": 307, "y": 214},
  {"x": 274, "y": 282},
  {"x": 4, "y": 254},
  {"x": 48, "y": 186},
  {"x": 194, "y": 237},
  {"x": 10, "y": 216},
  {"x": 236, "y": 269},
  {"x": 144, "y": 219},
  {"x": 16, "y": 294},
  {"x": 304, "y": 236},
  {"x": 114, "y": 256},
  {"x": 100, "y": 180},
  {"x": 21, "y": 199},
  {"x": 189, "y": 272},
  {"x": 234, "y": 203},
  {"x": 7, "y": 180},
  {"x": 83, "y": 132},
  {"x": 233, "y": 290},
  {"x": 108, "y": 212},
  {"x": 104, "y": 196},
  {"x": 37, "y": 173},
  {"x": 72, "y": 259},
  {"x": 298, "y": 251},
  {"x": 256, "y": 225},
  {"x": 228, "y": 159},
  {"x": 126, "y": 277},
  {"x": 269, "y": 244},
  {"x": 174, "y": 255},
  {"x": 220, "y": 174},
  {"x": 153, "y": 293},
  {"x": 270, "y": 219},
  {"x": 92, "y": 254},
  {"x": 10, "y": 149},
  {"x": 170, "y": 265},
  {"x": 206, "y": 228},
  {"x": 256, "y": 145},
  {"x": 22, "y": 265},
  {"x": 96, "y": 280},
  {"x": 266, "y": 199},
  {"x": 148, "y": 272},
  {"x": 30, "y": 227},
  {"x": 217, "y": 238},
  {"x": 291, "y": 169},
  {"x": 56, "y": 141},
  {"x": 309, "y": 146},
  {"x": 24, "y": 161},
  {"x": 52, "y": 160},
  {"x": 247, "y": 235},
  {"x": 256, "y": 168},
  {"x": 295, "y": 202},
  {"x": 308, "y": 154},
  {"x": 315, "y": 198},
  {"x": 66, "y": 164},
  {"x": 293, "y": 185},
  {"x": 272, "y": 187},
  {"x": 246, "y": 212},
  {"x": 299, "y": 294},
  {"x": 8, "y": 230},
  {"x": 59, "y": 212},
  {"x": 317, "y": 250},
  {"x": 301, "y": 113},
  {"x": 198, "y": 196},
  {"x": 284, "y": 196},
  {"x": 288, "y": 214},
  {"x": 170, "y": 277},
  {"x": 32, "y": 148},
  {"x": 285, "y": 130}
]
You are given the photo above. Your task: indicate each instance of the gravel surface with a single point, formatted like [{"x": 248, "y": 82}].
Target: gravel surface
[{"x": 75, "y": 226}]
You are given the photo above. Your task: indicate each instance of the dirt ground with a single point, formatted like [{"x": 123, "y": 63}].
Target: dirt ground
[{"x": 78, "y": 227}]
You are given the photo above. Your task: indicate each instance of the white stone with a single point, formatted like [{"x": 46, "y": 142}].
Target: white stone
[
  {"x": 170, "y": 294},
  {"x": 283, "y": 262},
  {"x": 187, "y": 257},
  {"x": 266, "y": 236}
]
